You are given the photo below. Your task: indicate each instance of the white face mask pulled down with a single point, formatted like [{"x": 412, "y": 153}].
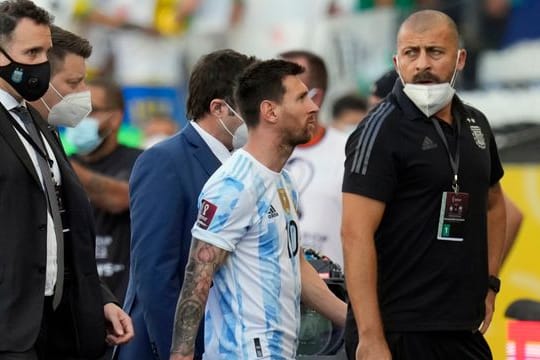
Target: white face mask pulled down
[
  {"x": 70, "y": 110},
  {"x": 240, "y": 135},
  {"x": 430, "y": 98}
]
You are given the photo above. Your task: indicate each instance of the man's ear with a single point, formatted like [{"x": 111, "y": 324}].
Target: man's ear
[
  {"x": 461, "y": 59},
  {"x": 218, "y": 109},
  {"x": 269, "y": 111}
]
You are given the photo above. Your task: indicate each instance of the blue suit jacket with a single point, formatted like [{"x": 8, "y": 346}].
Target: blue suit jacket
[{"x": 164, "y": 187}]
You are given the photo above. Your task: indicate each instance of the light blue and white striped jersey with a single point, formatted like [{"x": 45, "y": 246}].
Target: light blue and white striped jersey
[{"x": 253, "y": 310}]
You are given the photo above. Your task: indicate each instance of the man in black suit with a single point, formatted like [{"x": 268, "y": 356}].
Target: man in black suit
[{"x": 52, "y": 305}]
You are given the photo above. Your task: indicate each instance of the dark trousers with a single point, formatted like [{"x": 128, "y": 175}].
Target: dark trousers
[
  {"x": 38, "y": 352},
  {"x": 28, "y": 355},
  {"x": 439, "y": 345},
  {"x": 50, "y": 323},
  {"x": 433, "y": 345}
]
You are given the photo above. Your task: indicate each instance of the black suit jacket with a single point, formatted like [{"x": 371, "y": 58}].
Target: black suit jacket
[{"x": 79, "y": 328}]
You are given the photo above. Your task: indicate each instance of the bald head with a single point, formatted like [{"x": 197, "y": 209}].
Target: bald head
[
  {"x": 428, "y": 49},
  {"x": 428, "y": 20}
]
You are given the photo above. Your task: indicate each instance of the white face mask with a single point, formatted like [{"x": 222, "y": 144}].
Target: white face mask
[
  {"x": 430, "y": 98},
  {"x": 70, "y": 110},
  {"x": 240, "y": 135}
]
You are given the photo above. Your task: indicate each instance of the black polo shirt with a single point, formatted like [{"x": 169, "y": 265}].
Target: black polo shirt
[
  {"x": 113, "y": 230},
  {"x": 397, "y": 157}
]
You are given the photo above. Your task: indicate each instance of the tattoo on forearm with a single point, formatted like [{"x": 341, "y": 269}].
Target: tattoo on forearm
[{"x": 204, "y": 259}]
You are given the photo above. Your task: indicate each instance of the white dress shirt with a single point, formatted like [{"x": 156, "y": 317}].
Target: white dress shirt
[
  {"x": 216, "y": 146},
  {"x": 10, "y": 103}
]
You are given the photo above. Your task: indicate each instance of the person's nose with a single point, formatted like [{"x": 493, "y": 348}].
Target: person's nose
[
  {"x": 313, "y": 108},
  {"x": 423, "y": 62},
  {"x": 82, "y": 86}
]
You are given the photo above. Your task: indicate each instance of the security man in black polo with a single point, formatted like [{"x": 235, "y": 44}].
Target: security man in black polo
[{"x": 421, "y": 188}]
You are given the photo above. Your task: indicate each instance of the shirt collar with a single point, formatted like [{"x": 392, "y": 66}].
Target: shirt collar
[
  {"x": 216, "y": 146},
  {"x": 8, "y": 101},
  {"x": 410, "y": 111}
]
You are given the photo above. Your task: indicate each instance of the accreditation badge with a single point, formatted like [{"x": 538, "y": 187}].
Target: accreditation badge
[{"x": 453, "y": 215}]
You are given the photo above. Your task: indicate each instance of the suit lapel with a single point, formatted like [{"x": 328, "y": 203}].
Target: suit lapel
[
  {"x": 12, "y": 138},
  {"x": 49, "y": 133},
  {"x": 200, "y": 150},
  {"x": 54, "y": 142}
]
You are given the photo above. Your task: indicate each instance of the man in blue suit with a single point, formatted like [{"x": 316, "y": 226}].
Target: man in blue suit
[{"x": 164, "y": 186}]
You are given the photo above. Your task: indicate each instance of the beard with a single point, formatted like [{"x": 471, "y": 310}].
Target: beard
[{"x": 300, "y": 137}]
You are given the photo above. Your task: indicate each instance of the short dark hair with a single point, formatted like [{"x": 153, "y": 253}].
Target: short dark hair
[
  {"x": 12, "y": 11},
  {"x": 114, "y": 97},
  {"x": 348, "y": 102},
  {"x": 65, "y": 42},
  {"x": 384, "y": 85},
  {"x": 213, "y": 77},
  {"x": 262, "y": 81},
  {"x": 316, "y": 71}
]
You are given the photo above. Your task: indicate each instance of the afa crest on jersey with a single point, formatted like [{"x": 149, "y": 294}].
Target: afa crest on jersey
[{"x": 478, "y": 136}]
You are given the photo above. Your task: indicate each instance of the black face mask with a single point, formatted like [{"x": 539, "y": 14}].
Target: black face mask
[{"x": 30, "y": 81}]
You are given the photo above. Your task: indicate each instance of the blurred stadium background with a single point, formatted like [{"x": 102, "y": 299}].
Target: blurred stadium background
[{"x": 149, "y": 46}]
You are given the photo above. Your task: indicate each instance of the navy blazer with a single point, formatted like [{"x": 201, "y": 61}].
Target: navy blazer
[{"x": 164, "y": 188}]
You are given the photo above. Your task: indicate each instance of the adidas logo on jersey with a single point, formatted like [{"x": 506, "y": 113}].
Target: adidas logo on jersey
[
  {"x": 272, "y": 213},
  {"x": 428, "y": 144}
]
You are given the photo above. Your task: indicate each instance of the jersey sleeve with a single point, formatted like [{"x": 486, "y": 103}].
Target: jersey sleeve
[
  {"x": 497, "y": 171},
  {"x": 225, "y": 213},
  {"x": 496, "y": 168},
  {"x": 370, "y": 168}
]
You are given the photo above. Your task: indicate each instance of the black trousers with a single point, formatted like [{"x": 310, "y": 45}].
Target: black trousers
[
  {"x": 432, "y": 345},
  {"x": 52, "y": 321},
  {"x": 28, "y": 355},
  {"x": 38, "y": 352}
]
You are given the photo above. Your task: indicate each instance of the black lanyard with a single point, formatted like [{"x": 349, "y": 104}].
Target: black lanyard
[
  {"x": 40, "y": 151},
  {"x": 454, "y": 160}
]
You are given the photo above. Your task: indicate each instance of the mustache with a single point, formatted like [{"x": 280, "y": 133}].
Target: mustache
[{"x": 425, "y": 76}]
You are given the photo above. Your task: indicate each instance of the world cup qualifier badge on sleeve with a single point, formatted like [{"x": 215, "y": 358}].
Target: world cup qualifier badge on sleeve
[{"x": 206, "y": 214}]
